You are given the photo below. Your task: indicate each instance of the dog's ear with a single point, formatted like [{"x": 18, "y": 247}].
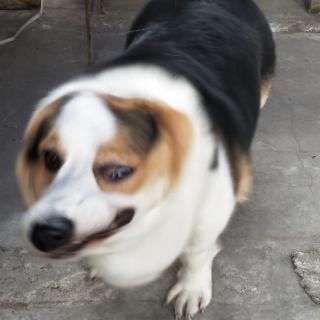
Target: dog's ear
[
  {"x": 30, "y": 178},
  {"x": 39, "y": 126},
  {"x": 156, "y": 132},
  {"x": 138, "y": 121}
]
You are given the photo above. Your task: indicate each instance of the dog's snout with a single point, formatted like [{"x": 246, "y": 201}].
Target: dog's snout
[{"x": 54, "y": 233}]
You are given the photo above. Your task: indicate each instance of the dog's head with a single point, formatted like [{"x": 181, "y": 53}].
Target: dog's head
[{"x": 93, "y": 166}]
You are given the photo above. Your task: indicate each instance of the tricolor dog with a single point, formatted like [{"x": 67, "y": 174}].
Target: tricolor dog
[{"x": 143, "y": 160}]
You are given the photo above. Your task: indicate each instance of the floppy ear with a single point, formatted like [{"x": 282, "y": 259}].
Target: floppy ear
[
  {"x": 158, "y": 133},
  {"x": 39, "y": 126},
  {"x": 30, "y": 179},
  {"x": 138, "y": 122}
]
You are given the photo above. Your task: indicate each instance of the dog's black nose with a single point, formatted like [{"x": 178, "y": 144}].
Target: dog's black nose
[{"x": 53, "y": 233}]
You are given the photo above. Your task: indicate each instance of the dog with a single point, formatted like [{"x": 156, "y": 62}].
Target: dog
[{"x": 143, "y": 160}]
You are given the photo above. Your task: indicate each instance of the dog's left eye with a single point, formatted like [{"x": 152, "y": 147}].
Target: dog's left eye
[
  {"x": 52, "y": 161},
  {"x": 116, "y": 173}
]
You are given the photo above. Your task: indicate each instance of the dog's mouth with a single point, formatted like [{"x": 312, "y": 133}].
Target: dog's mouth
[{"x": 122, "y": 219}]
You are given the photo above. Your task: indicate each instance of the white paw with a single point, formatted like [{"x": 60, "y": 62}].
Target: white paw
[{"x": 192, "y": 293}]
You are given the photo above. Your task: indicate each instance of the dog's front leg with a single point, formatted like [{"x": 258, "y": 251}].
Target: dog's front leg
[{"x": 193, "y": 290}]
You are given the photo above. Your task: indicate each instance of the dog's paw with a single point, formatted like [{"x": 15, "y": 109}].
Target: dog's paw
[{"x": 192, "y": 294}]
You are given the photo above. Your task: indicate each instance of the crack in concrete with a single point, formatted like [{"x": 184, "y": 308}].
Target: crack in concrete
[
  {"x": 298, "y": 154},
  {"x": 9, "y": 305},
  {"x": 267, "y": 144}
]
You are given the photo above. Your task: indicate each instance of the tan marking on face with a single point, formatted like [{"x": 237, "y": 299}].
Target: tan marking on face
[
  {"x": 32, "y": 176},
  {"x": 164, "y": 159},
  {"x": 266, "y": 85},
  {"x": 24, "y": 178}
]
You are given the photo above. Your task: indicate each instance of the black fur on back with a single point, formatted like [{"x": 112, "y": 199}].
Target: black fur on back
[{"x": 224, "y": 48}]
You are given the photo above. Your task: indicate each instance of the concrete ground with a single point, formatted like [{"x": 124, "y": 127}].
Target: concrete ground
[{"x": 253, "y": 276}]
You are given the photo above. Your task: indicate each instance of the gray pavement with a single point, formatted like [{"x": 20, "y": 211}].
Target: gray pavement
[
  {"x": 253, "y": 276},
  {"x": 289, "y": 16}
]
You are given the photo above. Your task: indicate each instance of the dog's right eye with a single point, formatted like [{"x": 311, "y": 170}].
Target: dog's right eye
[
  {"x": 116, "y": 173},
  {"x": 52, "y": 161}
]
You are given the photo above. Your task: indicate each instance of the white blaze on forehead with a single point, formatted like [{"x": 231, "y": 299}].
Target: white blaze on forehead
[{"x": 84, "y": 123}]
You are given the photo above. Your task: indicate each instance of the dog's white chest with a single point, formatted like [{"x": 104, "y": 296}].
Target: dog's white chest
[{"x": 148, "y": 257}]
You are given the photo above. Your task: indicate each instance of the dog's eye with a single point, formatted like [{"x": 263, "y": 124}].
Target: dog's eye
[
  {"x": 116, "y": 173},
  {"x": 52, "y": 161}
]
